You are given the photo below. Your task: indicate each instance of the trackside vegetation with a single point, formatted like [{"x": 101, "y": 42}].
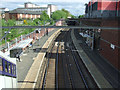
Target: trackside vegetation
[{"x": 43, "y": 20}]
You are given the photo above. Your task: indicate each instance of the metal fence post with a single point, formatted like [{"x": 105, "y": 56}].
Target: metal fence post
[{"x": 44, "y": 28}]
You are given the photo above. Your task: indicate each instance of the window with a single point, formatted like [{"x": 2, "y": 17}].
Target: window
[
  {"x": 9, "y": 67},
  {"x": 1, "y": 67},
  {"x": 12, "y": 69},
  {"x": 6, "y": 69}
]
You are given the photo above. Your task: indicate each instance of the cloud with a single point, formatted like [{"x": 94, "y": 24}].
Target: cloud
[
  {"x": 20, "y": 5},
  {"x": 1, "y": 5},
  {"x": 43, "y": 5},
  {"x": 75, "y": 8}
]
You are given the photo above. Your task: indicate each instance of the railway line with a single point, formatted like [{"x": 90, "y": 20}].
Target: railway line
[{"x": 65, "y": 68}]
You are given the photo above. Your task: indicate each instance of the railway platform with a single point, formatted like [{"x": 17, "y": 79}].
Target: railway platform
[
  {"x": 29, "y": 57},
  {"x": 33, "y": 57},
  {"x": 100, "y": 80},
  {"x": 31, "y": 61}
]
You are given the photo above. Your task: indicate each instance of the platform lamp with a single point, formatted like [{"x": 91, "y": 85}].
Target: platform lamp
[
  {"x": 39, "y": 31},
  {"x": 5, "y": 38}
]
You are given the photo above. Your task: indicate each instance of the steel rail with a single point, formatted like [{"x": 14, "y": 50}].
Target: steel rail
[
  {"x": 46, "y": 69},
  {"x": 69, "y": 67},
  {"x": 63, "y": 68},
  {"x": 56, "y": 70},
  {"x": 70, "y": 74},
  {"x": 79, "y": 70}
]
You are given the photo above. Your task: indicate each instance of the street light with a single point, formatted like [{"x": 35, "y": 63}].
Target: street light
[
  {"x": 5, "y": 37},
  {"x": 44, "y": 28}
]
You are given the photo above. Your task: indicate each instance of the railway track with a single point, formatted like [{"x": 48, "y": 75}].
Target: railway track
[
  {"x": 65, "y": 68},
  {"x": 49, "y": 76}
]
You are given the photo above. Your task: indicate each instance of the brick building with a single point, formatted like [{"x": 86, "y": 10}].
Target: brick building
[
  {"x": 21, "y": 13},
  {"x": 102, "y": 8},
  {"x": 31, "y": 11},
  {"x": 110, "y": 41},
  {"x": 3, "y": 11},
  {"x": 108, "y": 14}
]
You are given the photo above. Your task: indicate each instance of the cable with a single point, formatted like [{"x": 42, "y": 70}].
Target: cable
[{"x": 109, "y": 42}]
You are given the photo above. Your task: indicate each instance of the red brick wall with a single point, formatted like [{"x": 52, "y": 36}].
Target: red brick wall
[
  {"x": 17, "y": 16},
  {"x": 29, "y": 16},
  {"x": 112, "y": 36},
  {"x": 37, "y": 16},
  {"x": 110, "y": 54},
  {"x": 108, "y": 5},
  {"x": 33, "y": 16},
  {"x": 23, "y": 15},
  {"x": 13, "y": 16}
]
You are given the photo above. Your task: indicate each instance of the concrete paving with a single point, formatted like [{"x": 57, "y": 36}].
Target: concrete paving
[
  {"x": 27, "y": 58},
  {"x": 30, "y": 80}
]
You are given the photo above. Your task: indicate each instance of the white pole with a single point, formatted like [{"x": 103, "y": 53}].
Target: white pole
[
  {"x": 21, "y": 38},
  {"x": 44, "y": 28},
  {"x": 8, "y": 45},
  {"x": 16, "y": 40}
]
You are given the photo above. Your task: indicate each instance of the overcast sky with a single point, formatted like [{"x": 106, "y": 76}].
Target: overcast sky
[{"x": 75, "y": 7}]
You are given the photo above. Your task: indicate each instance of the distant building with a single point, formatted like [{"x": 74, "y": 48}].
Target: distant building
[
  {"x": 102, "y": 9},
  {"x": 30, "y": 11},
  {"x": 30, "y": 5},
  {"x": 52, "y": 7},
  {"x": 3, "y": 11},
  {"x": 23, "y": 13}
]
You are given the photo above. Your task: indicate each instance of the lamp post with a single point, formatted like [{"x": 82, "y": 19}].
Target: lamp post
[
  {"x": 6, "y": 40},
  {"x": 44, "y": 29},
  {"x": 39, "y": 31}
]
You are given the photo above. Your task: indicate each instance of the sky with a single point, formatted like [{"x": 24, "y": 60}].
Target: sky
[{"x": 75, "y": 7}]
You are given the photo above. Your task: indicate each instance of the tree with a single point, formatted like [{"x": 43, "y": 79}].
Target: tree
[
  {"x": 80, "y": 16},
  {"x": 67, "y": 12},
  {"x": 36, "y": 21},
  {"x": 44, "y": 16},
  {"x": 72, "y": 16},
  {"x": 58, "y": 15}
]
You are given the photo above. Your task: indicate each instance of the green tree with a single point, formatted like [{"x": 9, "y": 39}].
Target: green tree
[
  {"x": 36, "y": 21},
  {"x": 44, "y": 16},
  {"x": 72, "y": 16},
  {"x": 67, "y": 12},
  {"x": 58, "y": 15},
  {"x": 80, "y": 16},
  {"x": 11, "y": 22}
]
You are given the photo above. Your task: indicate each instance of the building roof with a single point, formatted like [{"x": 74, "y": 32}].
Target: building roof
[
  {"x": 52, "y": 4},
  {"x": 28, "y": 3},
  {"x": 3, "y": 10},
  {"x": 23, "y": 44},
  {"x": 23, "y": 11},
  {"x": 34, "y": 8}
]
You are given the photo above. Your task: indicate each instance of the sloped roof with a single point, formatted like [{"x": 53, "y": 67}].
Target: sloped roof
[{"x": 23, "y": 11}]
